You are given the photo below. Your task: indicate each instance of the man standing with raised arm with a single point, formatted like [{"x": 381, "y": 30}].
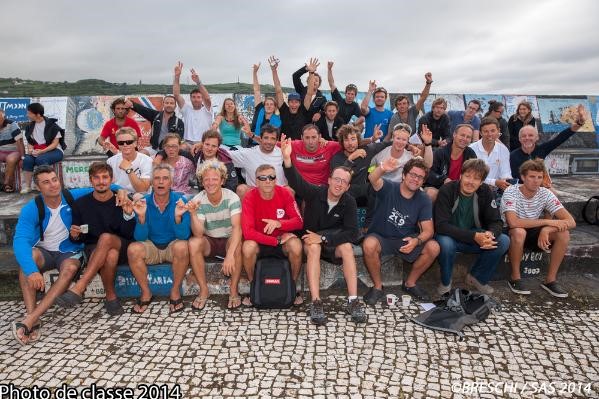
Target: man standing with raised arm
[
  {"x": 348, "y": 107},
  {"x": 377, "y": 115},
  {"x": 405, "y": 113}
]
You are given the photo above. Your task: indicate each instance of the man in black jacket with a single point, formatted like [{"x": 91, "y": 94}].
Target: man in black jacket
[
  {"x": 331, "y": 226},
  {"x": 467, "y": 220},
  {"x": 447, "y": 161},
  {"x": 330, "y": 121},
  {"x": 437, "y": 122},
  {"x": 318, "y": 99},
  {"x": 163, "y": 122}
]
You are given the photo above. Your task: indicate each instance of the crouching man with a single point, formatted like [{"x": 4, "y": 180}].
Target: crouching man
[{"x": 331, "y": 226}]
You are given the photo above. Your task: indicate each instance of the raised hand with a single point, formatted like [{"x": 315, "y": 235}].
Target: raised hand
[
  {"x": 128, "y": 103},
  {"x": 196, "y": 148},
  {"x": 273, "y": 62},
  {"x": 286, "y": 149},
  {"x": 195, "y": 77},
  {"x": 312, "y": 65},
  {"x": 581, "y": 115},
  {"x": 140, "y": 207},
  {"x": 178, "y": 68},
  {"x": 414, "y": 150},
  {"x": 426, "y": 135},
  {"x": 180, "y": 208},
  {"x": 255, "y": 67},
  {"x": 389, "y": 164},
  {"x": 372, "y": 85},
  {"x": 127, "y": 206},
  {"x": 428, "y": 77},
  {"x": 330, "y": 65},
  {"x": 193, "y": 206},
  {"x": 359, "y": 153},
  {"x": 377, "y": 133}
]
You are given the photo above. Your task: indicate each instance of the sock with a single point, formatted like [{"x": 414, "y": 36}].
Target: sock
[{"x": 351, "y": 298}]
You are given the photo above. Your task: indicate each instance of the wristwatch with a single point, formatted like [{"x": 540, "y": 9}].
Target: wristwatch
[
  {"x": 128, "y": 171},
  {"x": 323, "y": 239}
]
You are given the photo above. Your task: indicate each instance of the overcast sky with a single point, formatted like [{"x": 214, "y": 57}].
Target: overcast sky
[{"x": 509, "y": 46}]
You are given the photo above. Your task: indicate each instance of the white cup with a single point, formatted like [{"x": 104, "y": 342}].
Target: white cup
[
  {"x": 405, "y": 300},
  {"x": 391, "y": 300},
  {"x": 84, "y": 228}
]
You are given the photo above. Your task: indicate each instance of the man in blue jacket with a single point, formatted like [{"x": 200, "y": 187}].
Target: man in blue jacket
[
  {"x": 161, "y": 232},
  {"x": 42, "y": 245}
]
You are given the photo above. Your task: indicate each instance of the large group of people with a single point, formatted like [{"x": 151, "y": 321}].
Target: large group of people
[{"x": 285, "y": 185}]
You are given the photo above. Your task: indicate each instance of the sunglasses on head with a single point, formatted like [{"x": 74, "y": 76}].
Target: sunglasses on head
[
  {"x": 266, "y": 177},
  {"x": 128, "y": 142}
]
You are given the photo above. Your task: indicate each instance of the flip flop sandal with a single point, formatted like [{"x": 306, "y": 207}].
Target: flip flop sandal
[
  {"x": 35, "y": 329},
  {"x": 247, "y": 302},
  {"x": 201, "y": 304},
  {"x": 16, "y": 326},
  {"x": 299, "y": 300},
  {"x": 9, "y": 189},
  {"x": 234, "y": 302},
  {"x": 141, "y": 303},
  {"x": 174, "y": 303}
]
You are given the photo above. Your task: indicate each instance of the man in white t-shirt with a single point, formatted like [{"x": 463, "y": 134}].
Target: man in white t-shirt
[
  {"x": 216, "y": 227},
  {"x": 523, "y": 209},
  {"x": 197, "y": 117},
  {"x": 494, "y": 153},
  {"x": 267, "y": 153},
  {"x": 132, "y": 169}
]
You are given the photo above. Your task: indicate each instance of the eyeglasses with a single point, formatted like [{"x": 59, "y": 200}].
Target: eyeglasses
[
  {"x": 415, "y": 176},
  {"x": 340, "y": 180},
  {"x": 128, "y": 142},
  {"x": 266, "y": 177},
  {"x": 173, "y": 146}
]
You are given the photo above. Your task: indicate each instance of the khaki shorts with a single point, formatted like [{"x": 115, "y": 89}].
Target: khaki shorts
[{"x": 155, "y": 255}]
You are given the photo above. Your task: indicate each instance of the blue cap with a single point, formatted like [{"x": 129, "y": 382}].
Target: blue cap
[{"x": 294, "y": 96}]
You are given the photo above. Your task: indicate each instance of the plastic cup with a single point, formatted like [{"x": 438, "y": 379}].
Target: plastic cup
[{"x": 405, "y": 300}]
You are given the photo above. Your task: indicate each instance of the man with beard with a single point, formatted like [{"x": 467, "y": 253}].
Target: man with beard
[
  {"x": 466, "y": 117},
  {"x": 438, "y": 122},
  {"x": 408, "y": 114},
  {"x": 163, "y": 122},
  {"x": 348, "y": 107},
  {"x": 120, "y": 110},
  {"x": 104, "y": 224},
  {"x": 377, "y": 115}
]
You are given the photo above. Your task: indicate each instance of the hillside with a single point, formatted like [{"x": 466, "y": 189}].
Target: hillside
[{"x": 16, "y": 87}]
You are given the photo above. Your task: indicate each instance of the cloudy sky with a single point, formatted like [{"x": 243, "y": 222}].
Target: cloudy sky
[{"x": 509, "y": 46}]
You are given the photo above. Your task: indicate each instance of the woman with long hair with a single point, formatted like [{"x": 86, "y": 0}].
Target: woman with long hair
[
  {"x": 229, "y": 123},
  {"x": 183, "y": 166},
  {"x": 522, "y": 117},
  {"x": 496, "y": 109}
]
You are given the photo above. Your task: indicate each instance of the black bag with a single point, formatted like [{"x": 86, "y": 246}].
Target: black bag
[
  {"x": 461, "y": 308},
  {"x": 272, "y": 286},
  {"x": 590, "y": 212},
  {"x": 41, "y": 211}
]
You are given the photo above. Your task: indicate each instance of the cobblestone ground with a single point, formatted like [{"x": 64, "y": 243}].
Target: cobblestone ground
[{"x": 543, "y": 349}]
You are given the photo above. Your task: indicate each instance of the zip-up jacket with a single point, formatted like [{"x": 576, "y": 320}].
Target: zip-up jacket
[
  {"x": 440, "y": 169},
  {"x": 175, "y": 124}
]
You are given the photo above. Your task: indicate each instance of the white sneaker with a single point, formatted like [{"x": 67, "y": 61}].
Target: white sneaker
[
  {"x": 443, "y": 289},
  {"x": 25, "y": 190},
  {"x": 482, "y": 288}
]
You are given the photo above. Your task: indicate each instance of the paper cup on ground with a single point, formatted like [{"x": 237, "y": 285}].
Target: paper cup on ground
[
  {"x": 405, "y": 300},
  {"x": 391, "y": 300}
]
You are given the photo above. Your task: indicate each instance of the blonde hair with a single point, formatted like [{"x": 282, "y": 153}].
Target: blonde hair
[{"x": 212, "y": 165}]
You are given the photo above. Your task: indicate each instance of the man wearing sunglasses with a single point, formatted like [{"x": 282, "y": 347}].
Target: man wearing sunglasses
[
  {"x": 268, "y": 218},
  {"x": 402, "y": 225},
  {"x": 132, "y": 169},
  {"x": 377, "y": 115},
  {"x": 330, "y": 228},
  {"x": 120, "y": 110}
]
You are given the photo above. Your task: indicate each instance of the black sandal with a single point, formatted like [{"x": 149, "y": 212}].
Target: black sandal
[
  {"x": 140, "y": 303},
  {"x": 174, "y": 303}
]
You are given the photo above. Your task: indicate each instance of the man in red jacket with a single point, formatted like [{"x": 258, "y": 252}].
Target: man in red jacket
[{"x": 269, "y": 215}]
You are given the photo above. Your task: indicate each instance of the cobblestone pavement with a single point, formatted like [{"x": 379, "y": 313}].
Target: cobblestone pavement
[{"x": 536, "y": 349}]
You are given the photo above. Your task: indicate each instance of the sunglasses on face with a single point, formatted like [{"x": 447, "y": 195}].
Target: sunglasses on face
[
  {"x": 266, "y": 177},
  {"x": 128, "y": 142}
]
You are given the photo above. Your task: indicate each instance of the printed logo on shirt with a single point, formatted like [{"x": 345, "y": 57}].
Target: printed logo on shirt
[
  {"x": 280, "y": 213},
  {"x": 396, "y": 218},
  {"x": 509, "y": 203},
  {"x": 336, "y": 215},
  {"x": 556, "y": 202},
  {"x": 310, "y": 159},
  {"x": 493, "y": 204}
]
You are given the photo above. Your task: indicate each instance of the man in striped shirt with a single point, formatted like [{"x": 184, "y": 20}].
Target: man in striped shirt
[
  {"x": 523, "y": 209},
  {"x": 216, "y": 227}
]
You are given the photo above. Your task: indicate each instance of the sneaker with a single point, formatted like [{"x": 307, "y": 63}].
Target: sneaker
[
  {"x": 482, "y": 288},
  {"x": 517, "y": 287},
  {"x": 416, "y": 292},
  {"x": 317, "y": 315},
  {"x": 443, "y": 289},
  {"x": 25, "y": 190},
  {"x": 356, "y": 310},
  {"x": 554, "y": 289},
  {"x": 373, "y": 296}
]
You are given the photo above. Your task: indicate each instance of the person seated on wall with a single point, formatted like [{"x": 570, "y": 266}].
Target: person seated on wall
[
  {"x": 104, "y": 223},
  {"x": 216, "y": 231},
  {"x": 210, "y": 150},
  {"x": 182, "y": 165},
  {"x": 120, "y": 109},
  {"x": 524, "y": 208},
  {"x": 161, "y": 233},
  {"x": 11, "y": 151},
  {"x": 45, "y": 143},
  {"x": 131, "y": 169}
]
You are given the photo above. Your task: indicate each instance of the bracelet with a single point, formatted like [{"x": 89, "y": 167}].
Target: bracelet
[{"x": 420, "y": 242}]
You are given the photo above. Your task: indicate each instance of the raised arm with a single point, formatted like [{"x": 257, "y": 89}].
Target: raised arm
[
  {"x": 309, "y": 93},
  {"x": 330, "y": 76},
  {"x": 256, "y": 85},
  {"x": 203, "y": 91},
  {"x": 376, "y": 177},
  {"x": 177, "y": 85},
  {"x": 274, "y": 65},
  {"x": 364, "y": 105},
  {"x": 427, "y": 88}
]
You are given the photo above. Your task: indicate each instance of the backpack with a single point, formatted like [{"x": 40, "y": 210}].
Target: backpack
[
  {"x": 460, "y": 309},
  {"x": 591, "y": 205},
  {"x": 272, "y": 286},
  {"x": 41, "y": 210}
]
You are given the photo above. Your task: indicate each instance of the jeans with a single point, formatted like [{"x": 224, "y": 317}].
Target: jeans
[
  {"x": 47, "y": 158},
  {"x": 484, "y": 267}
]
